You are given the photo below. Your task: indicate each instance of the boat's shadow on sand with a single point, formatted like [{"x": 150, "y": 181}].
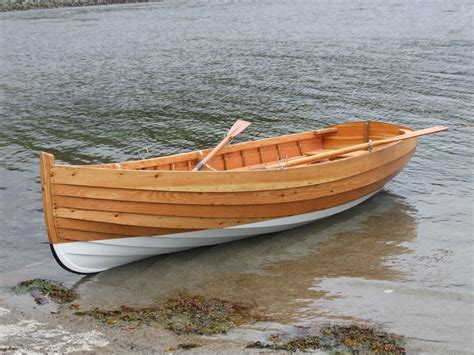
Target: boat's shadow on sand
[{"x": 273, "y": 270}]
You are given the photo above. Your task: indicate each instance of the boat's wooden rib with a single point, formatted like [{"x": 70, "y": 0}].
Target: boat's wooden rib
[{"x": 102, "y": 216}]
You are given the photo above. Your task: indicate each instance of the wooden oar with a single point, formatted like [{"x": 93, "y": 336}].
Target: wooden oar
[
  {"x": 362, "y": 146},
  {"x": 238, "y": 127}
]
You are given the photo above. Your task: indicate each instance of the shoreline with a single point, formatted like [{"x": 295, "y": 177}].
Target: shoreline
[
  {"x": 27, "y": 326},
  {"x": 8, "y": 6},
  {"x": 68, "y": 327}
]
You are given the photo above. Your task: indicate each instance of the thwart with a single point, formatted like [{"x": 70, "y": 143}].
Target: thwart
[{"x": 102, "y": 216}]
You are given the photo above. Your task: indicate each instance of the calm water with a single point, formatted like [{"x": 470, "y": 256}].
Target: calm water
[{"x": 100, "y": 84}]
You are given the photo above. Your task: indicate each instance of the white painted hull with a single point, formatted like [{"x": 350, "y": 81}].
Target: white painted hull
[{"x": 100, "y": 255}]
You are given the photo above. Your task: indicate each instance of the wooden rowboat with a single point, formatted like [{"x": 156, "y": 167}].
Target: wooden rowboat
[{"x": 102, "y": 216}]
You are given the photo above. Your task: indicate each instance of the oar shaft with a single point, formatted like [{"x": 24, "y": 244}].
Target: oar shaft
[
  {"x": 236, "y": 129},
  {"x": 212, "y": 153},
  {"x": 362, "y": 146}
]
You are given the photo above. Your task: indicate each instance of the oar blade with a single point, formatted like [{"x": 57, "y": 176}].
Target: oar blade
[
  {"x": 435, "y": 129},
  {"x": 238, "y": 127}
]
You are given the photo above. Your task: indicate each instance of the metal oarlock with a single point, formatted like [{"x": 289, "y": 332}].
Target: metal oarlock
[
  {"x": 370, "y": 148},
  {"x": 283, "y": 166}
]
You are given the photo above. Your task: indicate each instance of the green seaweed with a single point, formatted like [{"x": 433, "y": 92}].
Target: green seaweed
[
  {"x": 124, "y": 314},
  {"x": 196, "y": 314},
  {"x": 183, "y": 315},
  {"x": 342, "y": 339},
  {"x": 362, "y": 338},
  {"x": 187, "y": 346},
  {"x": 294, "y": 344},
  {"x": 52, "y": 289}
]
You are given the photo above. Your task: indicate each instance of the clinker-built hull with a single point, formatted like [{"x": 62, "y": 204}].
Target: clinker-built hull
[{"x": 103, "y": 216}]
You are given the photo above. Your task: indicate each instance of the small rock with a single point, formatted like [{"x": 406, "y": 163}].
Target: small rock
[{"x": 39, "y": 297}]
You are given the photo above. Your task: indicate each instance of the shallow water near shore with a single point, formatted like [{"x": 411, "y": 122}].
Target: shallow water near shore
[{"x": 101, "y": 84}]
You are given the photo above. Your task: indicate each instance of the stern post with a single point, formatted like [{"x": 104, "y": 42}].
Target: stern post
[{"x": 46, "y": 162}]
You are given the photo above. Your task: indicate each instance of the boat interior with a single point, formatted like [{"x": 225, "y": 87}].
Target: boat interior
[{"x": 258, "y": 154}]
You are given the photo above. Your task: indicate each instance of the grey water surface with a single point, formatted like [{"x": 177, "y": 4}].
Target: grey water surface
[{"x": 105, "y": 84}]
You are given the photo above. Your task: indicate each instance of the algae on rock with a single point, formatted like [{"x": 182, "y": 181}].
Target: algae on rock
[
  {"x": 52, "y": 289},
  {"x": 183, "y": 315}
]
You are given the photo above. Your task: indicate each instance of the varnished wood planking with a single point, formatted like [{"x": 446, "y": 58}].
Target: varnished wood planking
[
  {"x": 268, "y": 153},
  {"x": 78, "y": 235},
  {"x": 253, "y": 208},
  {"x": 132, "y": 219},
  {"x": 249, "y": 157},
  {"x": 116, "y": 229},
  {"x": 227, "y": 198},
  {"x": 229, "y": 181},
  {"x": 379, "y": 130},
  {"x": 358, "y": 132},
  {"x": 143, "y": 220},
  {"x": 274, "y": 210},
  {"x": 347, "y": 134}
]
